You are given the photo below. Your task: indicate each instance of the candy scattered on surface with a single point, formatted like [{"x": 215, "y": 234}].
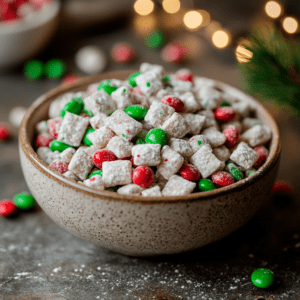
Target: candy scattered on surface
[
  {"x": 262, "y": 278},
  {"x": 34, "y": 69},
  {"x": 55, "y": 68},
  {"x": 175, "y": 53},
  {"x": 206, "y": 185},
  {"x": 16, "y": 115},
  {"x": 103, "y": 155},
  {"x": 132, "y": 77},
  {"x": 85, "y": 139},
  {"x": 143, "y": 176},
  {"x": 4, "y": 132},
  {"x": 189, "y": 172},
  {"x": 42, "y": 140},
  {"x": 222, "y": 178},
  {"x": 174, "y": 102},
  {"x": 136, "y": 112},
  {"x": 24, "y": 201},
  {"x": 73, "y": 107},
  {"x": 232, "y": 136},
  {"x": 282, "y": 186},
  {"x": 56, "y": 145},
  {"x": 59, "y": 166},
  {"x": 7, "y": 208},
  {"x": 91, "y": 60},
  {"x": 224, "y": 114},
  {"x": 157, "y": 136},
  {"x": 122, "y": 53},
  {"x": 263, "y": 154},
  {"x": 155, "y": 39},
  {"x": 70, "y": 79}
]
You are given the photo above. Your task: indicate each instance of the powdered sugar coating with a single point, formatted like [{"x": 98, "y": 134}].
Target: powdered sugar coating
[
  {"x": 209, "y": 98},
  {"x": 178, "y": 186},
  {"x": 244, "y": 156},
  {"x": 130, "y": 189},
  {"x": 222, "y": 153},
  {"x": 257, "y": 135},
  {"x": 148, "y": 154},
  {"x": 118, "y": 172},
  {"x": 71, "y": 175},
  {"x": 42, "y": 127},
  {"x": 176, "y": 126},
  {"x": 120, "y": 147},
  {"x": 98, "y": 120},
  {"x": 67, "y": 155},
  {"x": 237, "y": 124},
  {"x": 215, "y": 137},
  {"x": 190, "y": 103},
  {"x": 197, "y": 141},
  {"x": 149, "y": 83},
  {"x": 123, "y": 97},
  {"x": 249, "y": 122},
  {"x": 195, "y": 122},
  {"x": 209, "y": 120},
  {"x": 96, "y": 182},
  {"x": 181, "y": 146},
  {"x": 152, "y": 191},
  {"x": 101, "y": 137}
]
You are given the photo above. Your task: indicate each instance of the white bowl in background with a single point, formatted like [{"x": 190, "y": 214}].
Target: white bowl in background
[{"x": 26, "y": 38}]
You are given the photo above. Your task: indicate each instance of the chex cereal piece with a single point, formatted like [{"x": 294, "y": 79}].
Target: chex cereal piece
[
  {"x": 99, "y": 102},
  {"x": 42, "y": 127},
  {"x": 158, "y": 113},
  {"x": 101, "y": 137},
  {"x": 206, "y": 162},
  {"x": 96, "y": 182},
  {"x": 222, "y": 153},
  {"x": 241, "y": 108},
  {"x": 171, "y": 162},
  {"x": 91, "y": 150},
  {"x": 71, "y": 175},
  {"x": 215, "y": 137},
  {"x": 209, "y": 120},
  {"x": 178, "y": 186},
  {"x": 45, "y": 154},
  {"x": 118, "y": 82},
  {"x": 98, "y": 120},
  {"x": 200, "y": 82},
  {"x": 81, "y": 163},
  {"x": 197, "y": 141},
  {"x": 118, "y": 172},
  {"x": 145, "y": 67},
  {"x": 237, "y": 124},
  {"x": 250, "y": 122},
  {"x": 179, "y": 85},
  {"x": 244, "y": 156},
  {"x": 72, "y": 129},
  {"x": 123, "y": 125},
  {"x": 149, "y": 83},
  {"x": 195, "y": 122},
  {"x": 209, "y": 98},
  {"x": 130, "y": 189},
  {"x": 148, "y": 154},
  {"x": 123, "y": 97},
  {"x": 176, "y": 126},
  {"x": 160, "y": 180},
  {"x": 152, "y": 191},
  {"x": 67, "y": 155},
  {"x": 190, "y": 103},
  {"x": 257, "y": 135},
  {"x": 120, "y": 147},
  {"x": 181, "y": 146},
  {"x": 146, "y": 125},
  {"x": 141, "y": 100}
]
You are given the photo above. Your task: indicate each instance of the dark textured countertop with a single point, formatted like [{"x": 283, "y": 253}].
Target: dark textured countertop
[{"x": 39, "y": 260}]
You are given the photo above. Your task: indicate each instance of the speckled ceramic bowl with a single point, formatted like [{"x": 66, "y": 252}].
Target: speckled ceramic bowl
[{"x": 144, "y": 226}]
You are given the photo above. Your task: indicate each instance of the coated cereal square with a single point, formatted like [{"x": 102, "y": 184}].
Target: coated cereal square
[
  {"x": 130, "y": 189},
  {"x": 149, "y": 83},
  {"x": 178, "y": 186},
  {"x": 148, "y": 154},
  {"x": 96, "y": 182},
  {"x": 176, "y": 126},
  {"x": 120, "y": 147},
  {"x": 153, "y": 191},
  {"x": 215, "y": 137},
  {"x": 123, "y": 97},
  {"x": 195, "y": 122},
  {"x": 244, "y": 156},
  {"x": 257, "y": 135},
  {"x": 118, "y": 172},
  {"x": 98, "y": 120},
  {"x": 181, "y": 146},
  {"x": 101, "y": 137}
]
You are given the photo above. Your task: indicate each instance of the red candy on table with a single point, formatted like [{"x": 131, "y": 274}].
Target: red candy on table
[
  {"x": 70, "y": 79},
  {"x": 7, "y": 208},
  {"x": 42, "y": 141},
  {"x": 232, "y": 136},
  {"x": 224, "y": 114},
  {"x": 143, "y": 176},
  {"x": 59, "y": 166},
  {"x": 189, "y": 172},
  {"x": 184, "y": 76},
  {"x": 222, "y": 178},
  {"x": 103, "y": 155},
  {"x": 54, "y": 126},
  {"x": 174, "y": 102},
  {"x": 4, "y": 132},
  {"x": 282, "y": 186},
  {"x": 263, "y": 154},
  {"x": 122, "y": 53},
  {"x": 175, "y": 53}
]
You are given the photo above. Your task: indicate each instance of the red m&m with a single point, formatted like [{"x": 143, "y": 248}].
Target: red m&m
[
  {"x": 222, "y": 178},
  {"x": 143, "y": 176},
  {"x": 232, "y": 136},
  {"x": 4, "y": 132},
  {"x": 7, "y": 208},
  {"x": 189, "y": 172},
  {"x": 263, "y": 154},
  {"x": 103, "y": 155},
  {"x": 224, "y": 114},
  {"x": 174, "y": 102}
]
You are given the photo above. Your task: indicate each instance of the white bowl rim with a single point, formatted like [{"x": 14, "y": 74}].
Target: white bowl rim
[{"x": 30, "y": 153}]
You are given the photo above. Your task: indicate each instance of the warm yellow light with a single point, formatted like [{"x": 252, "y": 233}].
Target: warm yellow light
[
  {"x": 220, "y": 39},
  {"x": 205, "y": 16},
  {"x": 171, "y": 6},
  {"x": 273, "y": 9},
  {"x": 242, "y": 54},
  {"x": 212, "y": 27},
  {"x": 143, "y": 7},
  {"x": 192, "y": 19},
  {"x": 144, "y": 24},
  {"x": 290, "y": 25}
]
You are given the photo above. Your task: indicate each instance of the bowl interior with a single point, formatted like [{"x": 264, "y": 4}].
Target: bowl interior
[{"x": 38, "y": 111}]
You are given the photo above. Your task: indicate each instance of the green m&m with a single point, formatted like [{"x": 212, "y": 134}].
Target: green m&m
[
  {"x": 24, "y": 201},
  {"x": 235, "y": 171},
  {"x": 89, "y": 113},
  {"x": 140, "y": 141},
  {"x": 136, "y": 112},
  {"x": 262, "y": 278},
  {"x": 206, "y": 185},
  {"x": 107, "y": 87},
  {"x": 79, "y": 100},
  {"x": 225, "y": 103},
  {"x": 157, "y": 136},
  {"x": 85, "y": 139},
  {"x": 73, "y": 107},
  {"x": 131, "y": 79},
  {"x": 55, "y": 68},
  {"x": 59, "y": 146},
  {"x": 155, "y": 39},
  {"x": 34, "y": 69},
  {"x": 98, "y": 172}
]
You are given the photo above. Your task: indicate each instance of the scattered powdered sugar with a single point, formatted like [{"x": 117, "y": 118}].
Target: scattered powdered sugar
[{"x": 57, "y": 270}]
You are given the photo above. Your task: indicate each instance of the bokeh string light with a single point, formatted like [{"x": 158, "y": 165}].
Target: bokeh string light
[
  {"x": 273, "y": 9},
  {"x": 171, "y": 6},
  {"x": 290, "y": 25},
  {"x": 144, "y": 7},
  {"x": 220, "y": 38},
  {"x": 192, "y": 19}
]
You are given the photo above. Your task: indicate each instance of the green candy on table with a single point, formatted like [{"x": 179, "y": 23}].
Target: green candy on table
[
  {"x": 34, "y": 69},
  {"x": 55, "y": 68},
  {"x": 89, "y": 113},
  {"x": 56, "y": 145},
  {"x": 235, "y": 171},
  {"x": 225, "y": 103},
  {"x": 262, "y": 278},
  {"x": 107, "y": 87},
  {"x": 85, "y": 139},
  {"x": 206, "y": 185},
  {"x": 24, "y": 201},
  {"x": 157, "y": 136},
  {"x": 132, "y": 77},
  {"x": 140, "y": 141},
  {"x": 155, "y": 39},
  {"x": 136, "y": 112},
  {"x": 73, "y": 107},
  {"x": 98, "y": 172}
]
